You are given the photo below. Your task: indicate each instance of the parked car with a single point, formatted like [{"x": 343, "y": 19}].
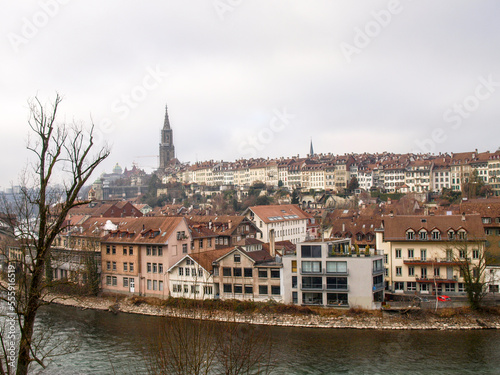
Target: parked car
[{"x": 444, "y": 298}]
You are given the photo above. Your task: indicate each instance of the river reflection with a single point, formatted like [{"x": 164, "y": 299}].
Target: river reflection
[{"x": 116, "y": 344}]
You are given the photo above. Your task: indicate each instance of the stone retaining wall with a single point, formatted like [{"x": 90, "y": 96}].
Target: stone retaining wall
[{"x": 382, "y": 320}]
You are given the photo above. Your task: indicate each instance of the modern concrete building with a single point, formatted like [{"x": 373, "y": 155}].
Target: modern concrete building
[{"x": 326, "y": 273}]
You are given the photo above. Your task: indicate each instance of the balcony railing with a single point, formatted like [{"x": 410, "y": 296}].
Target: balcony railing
[
  {"x": 312, "y": 287},
  {"x": 339, "y": 288},
  {"x": 319, "y": 272},
  {"x": 436, "y": 261}
]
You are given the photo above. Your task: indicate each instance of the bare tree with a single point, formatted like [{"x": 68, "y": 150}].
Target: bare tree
[
  {"x": 472, "y": 259},
  {"x": 194, "y": 346},
  {"x": 49, "y": 189}
]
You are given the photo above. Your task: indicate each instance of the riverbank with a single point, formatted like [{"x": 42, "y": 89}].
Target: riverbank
[{"x": 443, "y": 319}]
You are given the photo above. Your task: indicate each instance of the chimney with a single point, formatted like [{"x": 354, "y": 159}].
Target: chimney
[
  {"x": 230, "y": 224},
  {"x": 343, "y": 227},
  {"x": 272, "y": 245},
  {"x": 463, "y": 216},
  {"x": 391, "y": 214},
  {"x": 210, "y": 224}
]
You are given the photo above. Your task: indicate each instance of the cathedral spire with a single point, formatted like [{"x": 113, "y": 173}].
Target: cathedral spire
[
  {"x": 166, "y": 123},
  {"x": 311, "y": 151}
]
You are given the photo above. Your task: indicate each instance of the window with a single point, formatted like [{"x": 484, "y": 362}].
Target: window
[
  {"x": 187, "y": 271},
  {"x": 410, "y": 235},
  {"x": 436, "y": 235},
  {"x": 148, "y": 250},
  {"x": 113, "y": 249},
  {"x": 424, "y": 287},
  {"x": 200, "y": 271},
  {"x": 108, "y": 280},
  {"x": 154, "y": 251},
  {"x": 124, "y": 250},
  {"x": 337, "y": 299},
  {"x": 237, "y": 258},
  {"x": 248, "y": 289},
  {"x": 238, "y": 289},
  {"x": 294, "y": 281},
  {"x": 311, "y": 282},
  {"x": 462, "y": 254},
  {"x": 114, "y": 266},
  {"x": 148, "y": 267},
  {"x": 195, "y": 289},
  {"x": 411, "y": 286},
  {"x": 423, "y": 254},
  {"x": 423, "y": 272},
  {"x": 449, "y": 287},
  {"x": 125, "y": 266},
  {"x": 411, "y": 271},
  {"x": 311, "y": 251},
  {"x": 160, "y": 267},
  {"x": 125, "y": 282},
  {"x": 398, "y": 253},
  {"x": 451, "y": 235},
  {"x": 155, "y": 268},
  {"x": 262, "y": 289},
  {"x": 160, "y": 251},
  {"x": 411, "y": 254},
  {"x": 422, "y": 235},
  {"x": 335, "y": 267},
  {"x": 399, "y": 285},
  {"x": 108, "y": 266},
  {"x": 386, "y": 258},
  {"x": 399, "y": 271},
  {"x": 226, "y": 271},
  {"x": 130, "y": 250},
  {"x": 131, "y": 267},
  {"x": 160, "y": 285},
  {"x": 186, "y": 289},
  {"x": 208, "y": 289},
  {"x": 262, "y": 273},
  {"x": 336, "y": 283},
  {"x": 461, "y": 287},
  {"x": 114, "y": 280},
  {"x": 475, "y": 254},
  {"x": 237, "y": 272},
  {"x": 275, "y": 273},
  {"x": 181, "y": 271},
  {"x": 486, "y": 220},
  {"x": 149, "y": 285},
  {"x": 461, "y": 235},
  {"x": 311, "y": 266},
  {"x": 275, "y": 290},
  {"x": 108, "y": 249},
  {"x": 294, "y": 266},
  {"x": 436, "y": 271},
  {"x": 247, "y": 272},
  {"x": 155, "y": 284}
]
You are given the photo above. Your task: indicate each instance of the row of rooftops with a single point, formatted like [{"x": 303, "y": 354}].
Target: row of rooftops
[{"x": 365, "y": 161}]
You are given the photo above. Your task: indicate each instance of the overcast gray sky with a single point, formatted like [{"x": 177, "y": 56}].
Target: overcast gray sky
[{"x": 254, "y": 78}]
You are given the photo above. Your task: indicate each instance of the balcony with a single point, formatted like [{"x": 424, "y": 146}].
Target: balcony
[
  {"x": 312, "y": 287},
  {"x": 436, "y": 279},
  {"x": 319, "y": 272},
  {"x": 337, "y": 288},
  {"x": 378, "y": 287},
  {"x": 436, "y": 261}
]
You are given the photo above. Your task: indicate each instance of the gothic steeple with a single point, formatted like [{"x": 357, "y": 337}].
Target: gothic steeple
[
  {"x": 166, "y": 123},
  {"x": 311, "y": 151},
  {"x": 167, "y": 149}
]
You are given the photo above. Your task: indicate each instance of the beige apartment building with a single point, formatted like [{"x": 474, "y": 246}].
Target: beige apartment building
[{"x": 422, "y": 254}]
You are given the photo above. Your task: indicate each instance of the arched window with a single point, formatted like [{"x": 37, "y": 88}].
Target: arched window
[{"x": 410, "y": 234}]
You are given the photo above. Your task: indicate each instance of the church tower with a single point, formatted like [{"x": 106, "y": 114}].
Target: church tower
[{"x": 167, "y": 149}]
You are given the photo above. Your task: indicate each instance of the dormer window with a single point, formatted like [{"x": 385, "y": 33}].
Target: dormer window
[
  {"x": 422, "y": 235},
  {"x": 436, "y": 235},
  {"x": 410, "y": 234},
  {"x": 461, "y": 235},
  {"x": 486, "y": 220},
  {"x": 451, "y": 234}
]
